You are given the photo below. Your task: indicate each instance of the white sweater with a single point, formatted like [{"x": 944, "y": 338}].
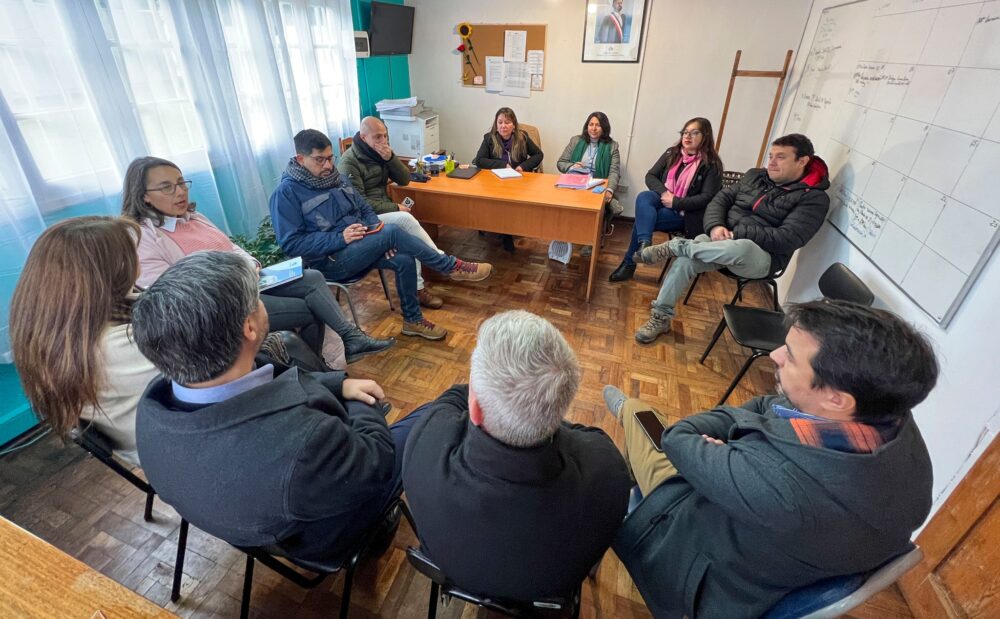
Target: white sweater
[{"x": 127, "y": 373}]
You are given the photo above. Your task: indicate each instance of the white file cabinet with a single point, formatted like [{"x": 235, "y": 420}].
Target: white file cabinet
[{"x": 410, "y": 136}]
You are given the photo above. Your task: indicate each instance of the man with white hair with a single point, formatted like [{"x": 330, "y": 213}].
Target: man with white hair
[
  {"x": 369, "y": 164},
  {"x": 509, "y": 500}
]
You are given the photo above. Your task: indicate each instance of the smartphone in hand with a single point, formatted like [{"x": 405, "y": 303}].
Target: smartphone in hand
[
  {"x": 408, "y": 202},
  {"x": 651, "y": 426},
  {"x": 372, "y": 229}
]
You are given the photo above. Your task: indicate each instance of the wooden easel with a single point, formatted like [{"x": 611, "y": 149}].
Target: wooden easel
[{"x": 781, "y": 75}]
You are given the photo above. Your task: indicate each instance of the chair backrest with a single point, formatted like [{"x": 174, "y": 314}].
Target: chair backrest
[
  {"x": 833, "y": 597},
  {"x": 730, "y": 177},
  {"x": 839, "y": 282},
  {"x": 423, "y": 564},
  {"x": 536, "y": 137},
  {"x": 345, "y": 143}
]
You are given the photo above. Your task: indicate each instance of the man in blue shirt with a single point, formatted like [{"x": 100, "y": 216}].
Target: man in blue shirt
[
  {"x": 256, "y": 455},
  {"x": 321, "y": 217}
]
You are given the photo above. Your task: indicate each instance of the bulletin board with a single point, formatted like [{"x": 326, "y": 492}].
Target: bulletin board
[{"x": 488, "y": 40}]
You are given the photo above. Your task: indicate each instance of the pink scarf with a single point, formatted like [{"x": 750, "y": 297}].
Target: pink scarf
[{"x": 678, "y": 184}]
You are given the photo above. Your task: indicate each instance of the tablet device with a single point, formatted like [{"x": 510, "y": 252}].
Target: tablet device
[
  {"x": 468, "y": 172},
  {"x": 281, "y": 273}
]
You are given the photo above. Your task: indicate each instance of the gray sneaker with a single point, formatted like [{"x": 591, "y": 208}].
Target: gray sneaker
[
  {"x": 657, "y": 325},
  {"x": 614, "y": 398},
  {"x": 654, "y": 253}
]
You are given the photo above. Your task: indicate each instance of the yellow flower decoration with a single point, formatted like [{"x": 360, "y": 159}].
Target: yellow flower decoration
[{"x": 465, "y": 30}]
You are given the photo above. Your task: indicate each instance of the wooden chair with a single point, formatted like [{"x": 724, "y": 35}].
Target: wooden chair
[
  {"x": 536, "y": 137},
  {"x": 345, "y": 143}
]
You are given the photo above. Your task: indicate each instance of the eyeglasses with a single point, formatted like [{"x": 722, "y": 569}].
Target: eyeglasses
[
  {"x": 322, "y": 160},
  {"x": 692, "y": 134},
  {"x": 171, "y": 189}
]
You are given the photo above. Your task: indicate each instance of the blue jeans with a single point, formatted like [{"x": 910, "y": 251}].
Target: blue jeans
[
  {"x": 651, "y": 216},
  {"x": 368, "y": 253}
]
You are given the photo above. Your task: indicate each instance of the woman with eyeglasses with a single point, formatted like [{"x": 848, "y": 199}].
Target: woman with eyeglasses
[
  {"x": 155, "y": 196},
  {"x": 70, "y": 329},
  {"x": 681, "y": 184}
]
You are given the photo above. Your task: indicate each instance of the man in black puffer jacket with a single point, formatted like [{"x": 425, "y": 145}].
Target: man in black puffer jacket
[{"x": 753, "y": 227}]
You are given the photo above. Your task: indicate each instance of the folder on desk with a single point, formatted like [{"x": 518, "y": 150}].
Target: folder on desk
[{"x": 468, "y": 172}]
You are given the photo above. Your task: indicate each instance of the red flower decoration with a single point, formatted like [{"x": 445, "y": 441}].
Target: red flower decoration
[{"x": 460, "y": 48}]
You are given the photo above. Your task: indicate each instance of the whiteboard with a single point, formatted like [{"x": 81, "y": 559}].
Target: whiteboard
[{"x": 901, "y": 98}]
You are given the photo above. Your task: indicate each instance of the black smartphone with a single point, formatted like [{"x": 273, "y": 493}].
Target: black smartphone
[
  {"x": 651, "y": 425},
  {"x": 372, "y": 229}
]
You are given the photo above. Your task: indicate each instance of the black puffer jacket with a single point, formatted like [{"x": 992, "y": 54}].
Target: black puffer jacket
[{"x": 778, "y": 218}]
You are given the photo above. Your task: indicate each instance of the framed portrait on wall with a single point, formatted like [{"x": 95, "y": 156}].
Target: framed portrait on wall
[{"x": 612, "y": 30}]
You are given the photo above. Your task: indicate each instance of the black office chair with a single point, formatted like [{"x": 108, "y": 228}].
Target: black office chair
[
  {"x": 763, "y": 331},
  {"x": 442, "y": 587},
  {"x": 97, "y": 444},
  {"x": 280, "y": 564}
]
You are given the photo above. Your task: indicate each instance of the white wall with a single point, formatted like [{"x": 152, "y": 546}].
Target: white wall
[
  {"x": 955, "y": 420},
  {"x": 687, "y": 57}
]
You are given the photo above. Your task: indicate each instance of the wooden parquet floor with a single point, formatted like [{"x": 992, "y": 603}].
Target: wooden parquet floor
[{"x": 72, "y": 501}]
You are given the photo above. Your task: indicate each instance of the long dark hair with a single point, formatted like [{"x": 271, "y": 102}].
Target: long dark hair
[
  {"x": 605, "y": 127},
  {"x": 707, "y": 148},
  {"x": 519, "y": 144},
  {"x": 76, "y": 282},
  {"x": 134, "y": 205}
]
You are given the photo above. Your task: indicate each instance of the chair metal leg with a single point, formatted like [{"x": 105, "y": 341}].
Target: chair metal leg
[
  {"x": 385, "y": 289},
  {"x": 432, "y": 603},
  {"x": 774, "y": 291},
  {"x": 715, "y": 338},
  {"x": 743, "y": 370},
  {"x": 663, "y": 273},
  {"x": 350, "y": 303},
  {"x": 691, "y": 289},
  {"x": 345, "y": 598},
  {"x": 175, "y": 592},
  {"x": 147, "y": 515},
  {"x": 247, "y": 588}
]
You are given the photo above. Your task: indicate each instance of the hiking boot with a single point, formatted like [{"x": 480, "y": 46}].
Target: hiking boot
[
  {"x": 653, "y": 253},
  {"x": 657, "y": 325},
  {"x": 428, "y": 299},
  {"x": 613, "y": 399},
  {"x": 470, "y": 271},
  {"x": 424, "y": 328},
  {"x": 636, "y": 254},
  {"x": 358, "y": 344},
  {"x": 623, "y": 272}
]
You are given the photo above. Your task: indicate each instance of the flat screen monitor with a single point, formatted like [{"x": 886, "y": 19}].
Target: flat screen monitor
[{"x": 390, "y": 29}]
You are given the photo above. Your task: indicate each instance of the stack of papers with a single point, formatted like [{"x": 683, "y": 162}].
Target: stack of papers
[
  {"x": 577, "y": 181},
  {"x": 506, "y": 173},
  {"x": 395, "y": 104}
]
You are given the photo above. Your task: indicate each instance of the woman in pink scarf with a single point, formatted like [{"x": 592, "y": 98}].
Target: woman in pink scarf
[{"x": 681, "y": 183}]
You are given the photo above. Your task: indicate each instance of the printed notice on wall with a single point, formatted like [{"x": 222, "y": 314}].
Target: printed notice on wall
[
  {"x": 516, "y": 79},
  {"x": 515, "y": 42},
  {"x": 494, "y": 73}
]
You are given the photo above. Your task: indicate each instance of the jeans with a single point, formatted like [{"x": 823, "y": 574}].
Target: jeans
[
  {"x": 409, "y": 224},
  {"x": 290, "y": 314},
  {"x": 651, "y": 216},
  {"x": 741, "y": 256},
  {"x": 319, "y": 301},
  {"x": 368, "y": 253}
]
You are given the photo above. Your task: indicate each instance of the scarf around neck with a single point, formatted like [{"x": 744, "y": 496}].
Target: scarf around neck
[
  {"x": 678, "y": 184},
  {"x": 601, "y": 166},
  {"x": 367, "y": 151},
  {"x": 297, "y": 172}
]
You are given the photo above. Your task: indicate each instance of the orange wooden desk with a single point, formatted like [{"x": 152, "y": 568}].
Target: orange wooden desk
[
  {"x": 529, "y": 206},
  {"x": 39, "y": 580}
]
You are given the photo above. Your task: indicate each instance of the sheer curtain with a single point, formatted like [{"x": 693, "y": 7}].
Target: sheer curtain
[{"x": 219, "y": 87}]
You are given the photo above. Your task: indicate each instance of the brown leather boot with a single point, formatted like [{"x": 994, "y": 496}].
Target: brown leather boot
[{"x": 429, "y": 299}]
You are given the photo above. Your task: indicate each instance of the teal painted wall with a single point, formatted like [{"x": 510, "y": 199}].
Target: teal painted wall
[{"x": 379, "y": 77}]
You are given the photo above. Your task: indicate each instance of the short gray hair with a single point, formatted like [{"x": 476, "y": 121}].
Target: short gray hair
[
  {"x": 524, "y": 376},
  {"x": 189, "y": 323}
]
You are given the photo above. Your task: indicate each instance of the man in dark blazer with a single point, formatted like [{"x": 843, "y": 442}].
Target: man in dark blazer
[
  {"x": 299, "y": 461},
  {"x": 509, "y": 500},
  {"x": 831, "y": 477},
  {"x": 752, "y": 228}
]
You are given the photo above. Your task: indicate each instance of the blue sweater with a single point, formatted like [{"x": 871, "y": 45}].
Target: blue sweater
[{"x": 310, "y": 222}]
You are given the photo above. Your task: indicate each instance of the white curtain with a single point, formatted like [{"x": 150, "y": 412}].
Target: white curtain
[{"x": 219, "y": 87}]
